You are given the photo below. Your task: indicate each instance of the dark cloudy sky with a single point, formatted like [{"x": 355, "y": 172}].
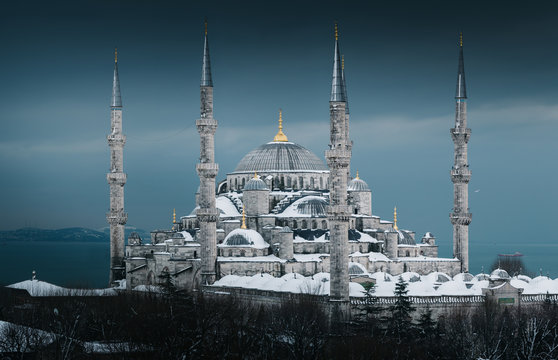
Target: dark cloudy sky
[{"x": 401, "y": 61}]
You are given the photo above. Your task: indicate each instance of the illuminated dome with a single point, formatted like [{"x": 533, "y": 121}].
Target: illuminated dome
[{"x": 280, "y": 156}]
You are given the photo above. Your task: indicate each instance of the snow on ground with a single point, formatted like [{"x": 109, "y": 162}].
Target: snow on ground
[
  {"x": 42, "y": 288},
  {"x": 434, "y": 284}
]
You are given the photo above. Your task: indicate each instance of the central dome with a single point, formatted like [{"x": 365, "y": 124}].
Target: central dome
[{"x": 280, "y": 156}]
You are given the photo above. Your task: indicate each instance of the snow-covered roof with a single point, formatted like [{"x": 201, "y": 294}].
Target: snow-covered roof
[
  {"x": 43, "y": 288},
  {"x": 308, "y": 206},
  {"x": 255, "y": 184},
  {"x": 357, "y": 185},
  {"x": 225, "y": 206},
  {"x": 244, "y": 238}
]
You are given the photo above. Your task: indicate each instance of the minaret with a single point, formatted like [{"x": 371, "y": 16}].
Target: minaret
[
  {"x": 207, "y": 171},
  {"x": 338, "y": 159},
  {"x": 460, "y": 173},
  {"x": 116, "y": 178}
]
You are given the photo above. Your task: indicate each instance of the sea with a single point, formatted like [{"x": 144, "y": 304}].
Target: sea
[{"x": 86, "y": 264}]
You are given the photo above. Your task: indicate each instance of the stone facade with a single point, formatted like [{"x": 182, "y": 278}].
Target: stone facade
[{"x": 116, "y": 217}]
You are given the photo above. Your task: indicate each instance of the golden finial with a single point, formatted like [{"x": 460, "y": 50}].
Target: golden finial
[
  {"x": 174, "y": 216},
  {"x": 461, "y": 39},
  {"x": 205, "y": 25},
  {"x": 336, "y": 33},
  {"x": 395, "y": 218},
  {"x": 255, "y": 174},
  {"x": 243, "y": 226},
  {"x": 342, "y": 62},
  {"x": 357, "y": 176},
  {"x": 115, "y": 55},
  {"x": 280, "y": 135}
]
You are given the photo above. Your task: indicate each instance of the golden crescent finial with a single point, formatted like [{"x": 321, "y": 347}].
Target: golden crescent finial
[
  {"x": 280, "y": 135},
  {"x": 205, "y": 25},
  {"x": 336, "y": 32},
  {"x": 395, "y": 218},
  {"x": 243, "y": 226},
  {"x": 357, "y": 176},
  {"x": 461, "y": 39},
  {"x": 115, "y": 55},
  {"x": 174, "y": 216}
]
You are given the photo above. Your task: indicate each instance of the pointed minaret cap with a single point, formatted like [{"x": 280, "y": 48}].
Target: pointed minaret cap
[
  {"x": 461, "y": 90},
  {"x": 280, "y": 136},
  {"x": 174, "y": 216},
  {"x": 206, "y": 63},
  {"x": 337, "y": 91},
  {"x": 116, "y": 100}
]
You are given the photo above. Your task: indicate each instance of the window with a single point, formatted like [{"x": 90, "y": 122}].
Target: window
[{"x": 304, "y": 224}]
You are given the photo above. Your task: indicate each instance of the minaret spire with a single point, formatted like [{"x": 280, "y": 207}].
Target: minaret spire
[
  {"x": 337, "y": 92},
  {"x": 116, "y": 100},
  {"x": 461, "y": 90},
  {"x": 116, "y": 217},
  {"x": 338, "y": 159},
  {"x": 206, "y": 79},
  {"x": 460, "y": 174},
  {"x": 207, "y": 169}
]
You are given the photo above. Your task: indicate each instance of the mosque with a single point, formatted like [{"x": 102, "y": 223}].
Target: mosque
[{"x": 283, "y": 209}]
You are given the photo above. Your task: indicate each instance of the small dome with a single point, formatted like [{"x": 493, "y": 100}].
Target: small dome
[
  {"x": 499, "y": 274},
  {"x": 286, "y": 229},
  {"x": 244, "y": 238},
  {"x": 405, "y": 238},
  {"x": 255, "y": 184},
  {"x": 356, "y": 269},
  {"x": 309, "y": 206},
  {"x": 357, "y": 184}
]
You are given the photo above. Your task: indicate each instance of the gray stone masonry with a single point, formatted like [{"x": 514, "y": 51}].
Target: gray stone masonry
[
  {"x": 116, "y": 217},
  {"x": 391, "y": 244},
  {"x": 338, "y": 159},
  {"x": 207, "y": 214},
  {"x": 460, "y": 176}
]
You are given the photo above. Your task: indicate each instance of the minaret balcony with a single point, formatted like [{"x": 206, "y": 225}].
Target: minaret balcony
[
  {"x": 459, "y": 218},
  {"x": 462, "y": 175},
  {"x": 116, "y": 139},
  {"x": 117, "y": 218},
  {"x": 207, "y": 214},
  {"x": 207, "y": 170},
  {"x": 460, "y": 135},
  {"x": 339, "y": 212},
  {"x": 206, "y": 125},
  {"x": 117, "y": 178},
  {"x": 338, "y": 156}
]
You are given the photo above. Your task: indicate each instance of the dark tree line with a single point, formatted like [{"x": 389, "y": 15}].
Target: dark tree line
[{"x": 179, "y": 325}]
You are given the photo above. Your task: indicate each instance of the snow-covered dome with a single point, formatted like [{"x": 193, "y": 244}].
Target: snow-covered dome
[
  {"x": 309, "y": 206},
  {"x": 405, "y": 238},
  {"x": 244, "y": 238},
  {"x": 356, "y": 269},
  {"x": 278, "y": 156},
  {"x": 499, "y": 274},
  {"x": 255, "y": 183},
  {"x": 357, "y": 184}
]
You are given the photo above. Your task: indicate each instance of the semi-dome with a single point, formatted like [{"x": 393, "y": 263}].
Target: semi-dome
[
  {"x": 308, "y": 206},
  {"x": 357, "y": 184},
  {"x": 405, "y": 238},
  {"x": 255, "y": 184},
  {"x": 244, "y": 238},
  {"x": 280, "y": 156}
]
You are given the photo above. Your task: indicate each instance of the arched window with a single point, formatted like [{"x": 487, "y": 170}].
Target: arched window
[
  {"x": 243, "y": 253},
  {"x": 407, "y": 253},
  {"x": 243, "y": 182},
  {"x": 321, "y": 182},
  {"x": 304, "y": 224},
  {"x": 236, "y": 183},
  {"x": 195, "y": 254},
  {"x": 295, "y": 224},
  {"x": 230, "y": 253},
  {"x": 324, "y": 225},
  {"x": 311, "y": 183},
  {"x": 314, "y": 224},
  {"x": 289, "y": 185}
]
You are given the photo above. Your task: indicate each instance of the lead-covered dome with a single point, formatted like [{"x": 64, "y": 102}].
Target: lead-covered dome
[
  {"x": 308, "y": 206},
  {"x": 244, "y": 238},
  {"x": 255, "y": 184},
  {"x": 280, "y": 156},
  {"x": 357, "y": 184}
]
